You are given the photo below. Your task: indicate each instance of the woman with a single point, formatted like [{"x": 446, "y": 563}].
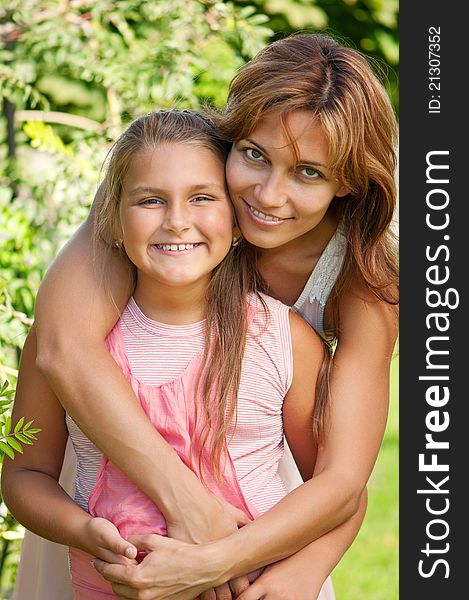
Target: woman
[{"x": 311, "y": 175}]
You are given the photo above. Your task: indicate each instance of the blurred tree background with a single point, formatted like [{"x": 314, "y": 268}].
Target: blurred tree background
[{"x": 72, "y": 75}]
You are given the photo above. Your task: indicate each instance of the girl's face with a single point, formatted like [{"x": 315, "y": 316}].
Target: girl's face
[
  {"x": 176, "y": 216},
  {"x": 277, "y": 198}
]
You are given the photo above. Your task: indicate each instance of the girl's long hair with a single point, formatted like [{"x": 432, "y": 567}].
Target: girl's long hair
[
  {"x": 337, "y": 84},
  {"x": 231, "y": 282}
]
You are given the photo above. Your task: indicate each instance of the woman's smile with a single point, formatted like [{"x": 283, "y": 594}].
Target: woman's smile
[{"x": 262, "y": 218}]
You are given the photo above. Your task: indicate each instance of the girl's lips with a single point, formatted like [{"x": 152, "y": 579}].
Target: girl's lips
[{"x": 262, "y": 218}]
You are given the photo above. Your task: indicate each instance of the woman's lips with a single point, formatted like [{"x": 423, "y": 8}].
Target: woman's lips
[{"x": 263, "y": 218}]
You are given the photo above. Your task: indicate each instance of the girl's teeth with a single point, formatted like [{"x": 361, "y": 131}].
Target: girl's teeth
[
  {"x": 262, "y": 215},
  {"x": 175, "y": 247}
]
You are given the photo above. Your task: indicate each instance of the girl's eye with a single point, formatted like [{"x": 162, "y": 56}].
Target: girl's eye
[
  {"x": 309, "y": 173},
  {"x": 151, "y": 201},
  {"x": 254, "y": 154},
  {"x": 201, "y": 199}
]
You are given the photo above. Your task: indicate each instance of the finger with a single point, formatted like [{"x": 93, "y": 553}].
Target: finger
[
  {"x": 238, "y": 585},
  {"x": 208, "y": 595},
  {"x": 149, "y": 542},
  {"x": 123, "y": 591},
  {"x": 115, "y": 573},
  {"x": 223, "y": 592},
  {"x": 111, "y": 557},
  {"x": 112, "y": 541},
  {"x": 254, "y": 592}
]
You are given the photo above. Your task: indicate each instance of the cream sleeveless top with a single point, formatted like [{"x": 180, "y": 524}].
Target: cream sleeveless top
[{"x": 312, "y": 300}]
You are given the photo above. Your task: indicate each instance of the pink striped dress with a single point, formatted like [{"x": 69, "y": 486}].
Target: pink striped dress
[{"x": 161, "y": 362}]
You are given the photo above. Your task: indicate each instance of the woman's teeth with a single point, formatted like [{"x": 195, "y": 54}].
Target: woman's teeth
[
  {"x": 175, "y": 247},
  {"x": 262, "y": 215}
]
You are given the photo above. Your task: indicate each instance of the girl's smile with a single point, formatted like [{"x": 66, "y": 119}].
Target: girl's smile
[{"x": 281, "y": 195}]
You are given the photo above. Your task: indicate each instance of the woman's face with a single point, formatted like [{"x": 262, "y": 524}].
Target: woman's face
[{"x": 278, "y": 198}]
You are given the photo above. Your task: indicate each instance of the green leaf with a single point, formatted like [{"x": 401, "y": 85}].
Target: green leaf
[
  {"x": 23, "y": 438},
  {"x": 7, "y": 426},
  {"x": 28, "y": 425},
  {"x": 15, "y": 444},
  {"x": 6, "y": 448},
  {"x": 19, "y": 425}
]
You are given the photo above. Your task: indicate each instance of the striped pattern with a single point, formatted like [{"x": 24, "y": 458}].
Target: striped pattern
[{"x": 158, "y": 353}]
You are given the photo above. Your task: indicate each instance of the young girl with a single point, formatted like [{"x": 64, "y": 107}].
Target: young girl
[
  {"x": 220, "y": 370},
  {"x": 319, "y": 211}
]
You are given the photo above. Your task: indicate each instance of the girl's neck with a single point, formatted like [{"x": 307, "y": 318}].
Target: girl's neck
[{"x": 170, "y": 304}]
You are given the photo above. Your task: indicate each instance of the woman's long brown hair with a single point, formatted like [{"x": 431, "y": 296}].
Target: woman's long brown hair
[{"x": 338, "y": 86}]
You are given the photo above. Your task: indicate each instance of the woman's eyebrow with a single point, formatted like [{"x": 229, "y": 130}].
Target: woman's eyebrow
[
  {"x": 263, "y": 150},
  {"x": 313, "y": 163}
]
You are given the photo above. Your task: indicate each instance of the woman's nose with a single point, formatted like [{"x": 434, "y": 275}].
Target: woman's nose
[{"x": 271, "y": 192}]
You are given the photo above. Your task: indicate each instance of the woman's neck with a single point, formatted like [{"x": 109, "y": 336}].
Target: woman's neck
[
  {"x": 173, "y": 305},
  {"x": 286, "y": 269}
]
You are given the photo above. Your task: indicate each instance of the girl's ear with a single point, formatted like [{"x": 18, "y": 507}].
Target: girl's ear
[{"x": 237, "y": 235}]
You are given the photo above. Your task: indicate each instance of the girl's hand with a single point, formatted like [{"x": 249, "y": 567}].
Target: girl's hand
[{"x": 102, "y": 539}]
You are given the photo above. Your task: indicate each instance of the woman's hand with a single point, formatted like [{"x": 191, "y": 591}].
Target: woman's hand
[
  {"x": 171, "y": 570},
  {"x": 207, "y": 519},
  {"x": 213, "y": 520},
  {"x": 289, "y": 578}
]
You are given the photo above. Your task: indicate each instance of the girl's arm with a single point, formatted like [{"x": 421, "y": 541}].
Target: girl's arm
[
  {"x": 74, "y": 313},
  {"x": 360, "y": 390},
  {"x": 30, "y": 485}
]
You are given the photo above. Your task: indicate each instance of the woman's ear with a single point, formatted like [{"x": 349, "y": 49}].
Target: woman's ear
[{"x": 342, "y": 191}]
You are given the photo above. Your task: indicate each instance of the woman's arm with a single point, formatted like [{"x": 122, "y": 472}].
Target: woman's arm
[
  {"x": 359, "y": 407},
  {"x": 30, "y": 482},
  {"x": 302, "y": 575},
  {"x": 360, "y": 390},
  {"x": 74, "y": 313}
]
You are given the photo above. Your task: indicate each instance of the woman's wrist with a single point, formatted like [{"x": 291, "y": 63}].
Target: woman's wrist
[{"x": 223, "y": 559}]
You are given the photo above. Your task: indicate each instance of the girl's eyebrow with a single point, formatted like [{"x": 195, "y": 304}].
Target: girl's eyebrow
[
  {"x": 301, "y": 161},
  {"x": 143, "y": 189}
]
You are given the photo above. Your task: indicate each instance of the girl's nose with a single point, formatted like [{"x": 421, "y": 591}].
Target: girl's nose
[{"x": 177, "y": 219}]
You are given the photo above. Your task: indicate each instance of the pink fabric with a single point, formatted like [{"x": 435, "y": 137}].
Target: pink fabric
[
  {"x": 171, "y": 409},
  {"x": 87, "y": 583}
]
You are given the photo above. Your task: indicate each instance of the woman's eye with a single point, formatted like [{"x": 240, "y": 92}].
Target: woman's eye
[
  {"x": 201, "y": 199},
  {"x": 254, "y": 154},
  {"x": 309, "y": 173}
]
